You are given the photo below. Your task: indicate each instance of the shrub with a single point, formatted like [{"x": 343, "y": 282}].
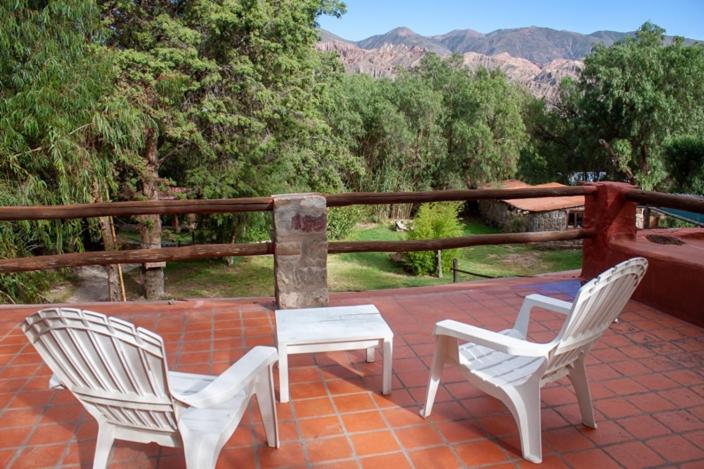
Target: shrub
[
  {"x": 341, "y": 220},
  {"x": 436, "y": 220}
]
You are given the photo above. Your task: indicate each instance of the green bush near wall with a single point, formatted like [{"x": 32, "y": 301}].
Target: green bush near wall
[{"x": 433, "y": 221}]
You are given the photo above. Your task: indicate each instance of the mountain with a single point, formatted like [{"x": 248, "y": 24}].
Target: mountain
[
  {"x": 537, "y": 58},
  {"x": 406, "y": 37},
  {"x": 539, "y": 45},
  {"x": 459, "y": 39},
  {"x": 381, "y": 62},
  {"x": 327, "y": 36},
  {"x": 384, "y": 61}
]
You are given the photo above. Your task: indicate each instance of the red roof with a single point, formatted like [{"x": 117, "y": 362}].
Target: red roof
[{"x": 541, "y": 204}]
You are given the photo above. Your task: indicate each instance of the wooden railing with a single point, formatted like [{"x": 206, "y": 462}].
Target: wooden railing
[
  {"x": 204, "y": 251},
  {"x": 659, "y": 199}
]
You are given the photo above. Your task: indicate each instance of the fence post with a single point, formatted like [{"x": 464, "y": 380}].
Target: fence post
[
  {"x": 454, "y": 270},
  {"x": 300, "y": 250},
  {"x": 438, "y": 260}
]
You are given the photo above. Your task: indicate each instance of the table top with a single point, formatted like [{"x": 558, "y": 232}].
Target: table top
[{"x": 331, "y": 324}]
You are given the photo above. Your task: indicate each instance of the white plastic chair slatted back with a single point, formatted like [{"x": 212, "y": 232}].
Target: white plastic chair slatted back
[
  {"x": 597, "y": 304},
  {"x": 117, "y": 371}
]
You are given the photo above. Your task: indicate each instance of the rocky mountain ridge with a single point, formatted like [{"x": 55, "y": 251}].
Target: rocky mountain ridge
[
  {"x": 385, "y": 60},
  {"x": 537, "y": 58}
]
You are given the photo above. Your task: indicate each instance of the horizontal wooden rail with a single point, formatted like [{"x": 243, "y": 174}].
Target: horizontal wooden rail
[
  {"x": 372, "y": 198},
  {"x": 337, "y": 247},
  {"x": 135, "y": 256},
  {"x": 136, "y": 207},
  {"x": 658, "y": 199},
  {"x": 209, "y": 251},
  {"x": 256, "y": 204}
]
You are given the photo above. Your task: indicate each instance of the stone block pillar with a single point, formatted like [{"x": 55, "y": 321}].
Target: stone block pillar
[
  {"x": 610, "y": 216},
  {"x": 300, "y": 250}
]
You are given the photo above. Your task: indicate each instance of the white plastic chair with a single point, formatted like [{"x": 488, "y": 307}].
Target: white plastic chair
[
  {"x": 512, "y": 369},
  {"x": 119, "y": 373}
]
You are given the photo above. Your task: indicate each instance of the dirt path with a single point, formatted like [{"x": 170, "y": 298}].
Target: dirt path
[{"x": 92, "y": 284}]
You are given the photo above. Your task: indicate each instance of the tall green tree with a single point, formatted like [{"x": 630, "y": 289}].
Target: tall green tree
[
  {"x": 235, "y": 91},
  {"x": 482, "y": 124},
  {"x": 634, "y": 96},
  {"x": 65, "y": 131}
]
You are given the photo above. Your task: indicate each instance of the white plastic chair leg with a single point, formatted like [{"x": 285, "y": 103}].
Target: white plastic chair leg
[
  {"x": 264, "y": 389},
  {"x": 578, "y": 377},
  {"x": 524, "y": 403},
  {"x": 201, "y": 452},
  {"x": 435, "y": 375},
  {"x": 283, "y": 374},
  {"x": 370, "y": 355},
  {"x": 106, "y": 437}
]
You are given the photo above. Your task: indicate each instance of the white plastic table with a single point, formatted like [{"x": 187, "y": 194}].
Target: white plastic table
[{"x": 310, "y": 330}]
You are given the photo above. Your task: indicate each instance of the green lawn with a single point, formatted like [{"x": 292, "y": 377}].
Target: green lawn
[{"x": 253, "y": 276}]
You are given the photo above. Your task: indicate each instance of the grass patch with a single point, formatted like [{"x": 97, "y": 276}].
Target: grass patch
[
  {"x": 254, "y": 276},
  {"x": 377, "y": 270},
  {"x": 250, "y": 276}
]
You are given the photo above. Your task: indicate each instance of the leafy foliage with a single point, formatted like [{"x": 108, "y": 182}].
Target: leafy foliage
[
  {"x": 341, "y": 221},
  {"x": 230, "y": 98},
  {"x": 63, "y": 133},
  {"x": 630, "y": 100},
  {"x": 433, "y": 221},
  {"x": 684, "y": 162}
]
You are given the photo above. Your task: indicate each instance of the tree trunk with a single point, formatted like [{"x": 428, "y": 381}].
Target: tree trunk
[
  {"x": 111, "y": 270},
  {"x": 150, "y": 225},
  {"x": 109, "y": 244}
]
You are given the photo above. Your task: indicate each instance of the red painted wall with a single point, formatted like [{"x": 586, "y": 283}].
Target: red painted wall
[{"x": 674, "y": 282}]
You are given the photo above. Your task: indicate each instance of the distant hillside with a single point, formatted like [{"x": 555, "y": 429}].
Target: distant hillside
[
  {"x": 538, "y": 58},
  {"x": 539, "y": 45},
  {"x": 404, "y": 37}
]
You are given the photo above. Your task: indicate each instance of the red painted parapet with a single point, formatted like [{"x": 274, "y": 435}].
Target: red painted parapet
[
  {"x": 675, "y": 277},
  {"x": 610, "y": 216}
]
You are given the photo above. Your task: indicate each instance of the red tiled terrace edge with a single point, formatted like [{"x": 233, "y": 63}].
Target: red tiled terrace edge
[{"x": 646, "y": 374}]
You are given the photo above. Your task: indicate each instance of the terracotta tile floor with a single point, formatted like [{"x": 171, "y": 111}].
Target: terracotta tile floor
[{"x": 647, "y": 376}]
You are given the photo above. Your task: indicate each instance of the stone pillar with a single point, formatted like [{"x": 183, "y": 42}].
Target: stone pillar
[
  {"x": 610, "y": 216},
  {"x": 300, "y": 250}
]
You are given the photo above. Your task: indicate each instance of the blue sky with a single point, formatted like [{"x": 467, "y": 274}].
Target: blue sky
[{"x": 365, "y": 18}]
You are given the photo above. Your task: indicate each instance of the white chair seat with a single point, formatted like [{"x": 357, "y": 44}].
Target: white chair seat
[{"x": 496, "y": 367}]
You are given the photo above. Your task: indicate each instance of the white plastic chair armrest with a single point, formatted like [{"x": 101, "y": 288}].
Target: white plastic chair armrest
[
  {"x": 549, "y": 303},
  {"x": 233, "y": 380},
  {"x": 491, "y": 339},
  {"x": 54, "y": 382},
  {"x": 539, "y": 301}
]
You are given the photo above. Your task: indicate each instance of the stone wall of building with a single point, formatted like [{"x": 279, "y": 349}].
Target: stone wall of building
[
  {"x": 503, "y": 216},
  {"x": 555, "y": 220},
  {"x": 512, "y": 220}
]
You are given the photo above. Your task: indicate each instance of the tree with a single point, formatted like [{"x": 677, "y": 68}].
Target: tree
[
  {"x": 436, "y": 126},
  {"x": 234, "y": 90},
  {"x": 635, "y": 95},
  {"x": 684, "y": 162},
  {"x": 64, "y": 130},
  {"x": 482, "y": 125}
]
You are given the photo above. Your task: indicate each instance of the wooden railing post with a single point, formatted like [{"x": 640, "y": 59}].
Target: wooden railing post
[{"x": 300, "y": 250}]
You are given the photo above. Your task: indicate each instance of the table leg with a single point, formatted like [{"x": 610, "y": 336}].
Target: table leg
[
  {"x": 283, "y": 374},
  {"x": 388, "y": 359},
  {"x": 370, "y": 355}
]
